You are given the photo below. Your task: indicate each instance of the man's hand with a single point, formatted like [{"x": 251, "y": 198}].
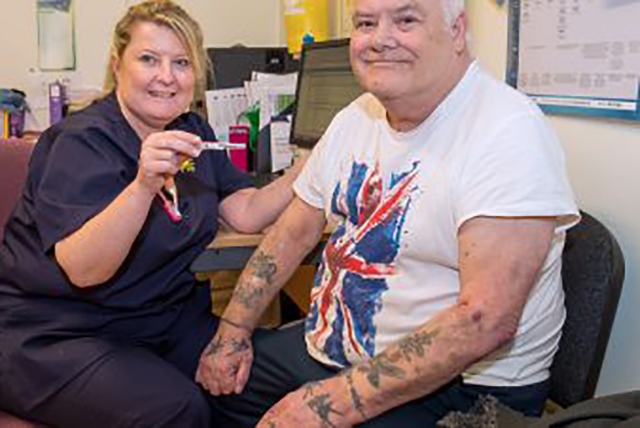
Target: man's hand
[
  {"x": 316, "y": 404},
  {"x": 226, "y": 362}
]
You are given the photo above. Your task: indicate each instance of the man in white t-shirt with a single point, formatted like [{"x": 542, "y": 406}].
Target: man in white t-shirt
[{"x": 441, "y": 282}]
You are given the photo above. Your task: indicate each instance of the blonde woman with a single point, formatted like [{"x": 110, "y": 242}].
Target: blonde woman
[{"x": 101, "y": 322}]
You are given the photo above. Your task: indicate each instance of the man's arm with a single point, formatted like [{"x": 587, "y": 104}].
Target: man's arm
[
  {"x": 251, "y": 210},
  {"x": 225, "y": 363},
  {"x": 499, "y": 263}
]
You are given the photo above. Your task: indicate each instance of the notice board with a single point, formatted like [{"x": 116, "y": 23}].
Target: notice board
[{"x": 577, "y": 56}]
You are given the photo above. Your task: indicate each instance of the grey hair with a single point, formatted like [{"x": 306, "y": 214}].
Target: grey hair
[{"x": 451, "y": 9}]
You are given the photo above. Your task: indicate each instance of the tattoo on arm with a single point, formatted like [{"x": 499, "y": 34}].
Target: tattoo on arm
[
  {"x": 355, "y": 397},
  {"x": 382, "y": 365},
  {"x": 263, "y": 267},
  {"x": 321, "y": 405},
  {"x": 416, "y": 344},
  {"x": 248, "y": 295},
  {"x": 308, "y": 389}
]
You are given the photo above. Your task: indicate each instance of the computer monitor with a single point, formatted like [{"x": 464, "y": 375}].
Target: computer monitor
[
  {"x": 233, "y": 66},
  {"x": 326, "y": 85}
]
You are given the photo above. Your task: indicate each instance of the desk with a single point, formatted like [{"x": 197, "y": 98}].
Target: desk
[{"x": 230, "y": 251}]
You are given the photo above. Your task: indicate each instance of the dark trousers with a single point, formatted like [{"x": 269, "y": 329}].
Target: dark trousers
[
  {"x": 282, "y": 365},
  {"x": 135, "y": 384}
]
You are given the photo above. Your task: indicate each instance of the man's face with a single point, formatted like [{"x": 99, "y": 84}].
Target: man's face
[{"x": 402, "y": 48}]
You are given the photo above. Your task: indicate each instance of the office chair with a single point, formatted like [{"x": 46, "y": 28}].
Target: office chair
[
  {"x": 592, "y": 275},
  {"x": 14, "y": 159}
]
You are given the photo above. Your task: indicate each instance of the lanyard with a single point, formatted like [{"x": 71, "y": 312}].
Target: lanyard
[{"x": 169, "y": 196}]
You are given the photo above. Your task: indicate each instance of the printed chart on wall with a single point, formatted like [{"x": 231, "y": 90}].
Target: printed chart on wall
[{"x": 577, "y": 56}]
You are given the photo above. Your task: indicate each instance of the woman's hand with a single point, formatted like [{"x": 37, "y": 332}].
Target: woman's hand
[{"x": 161, "y": 155}]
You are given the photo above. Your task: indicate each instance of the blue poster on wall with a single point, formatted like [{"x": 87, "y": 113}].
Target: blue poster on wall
[{"x": 577, "y": 57}]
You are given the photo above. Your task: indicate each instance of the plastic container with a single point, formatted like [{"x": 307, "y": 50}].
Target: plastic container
[{"x": 303, "y": 17}]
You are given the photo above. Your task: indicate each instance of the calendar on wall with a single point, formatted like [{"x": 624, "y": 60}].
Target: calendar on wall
[{"x": 577, "y": 56}]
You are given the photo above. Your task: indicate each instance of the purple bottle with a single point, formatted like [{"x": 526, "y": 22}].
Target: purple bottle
[{"x": 56, "y": 102}]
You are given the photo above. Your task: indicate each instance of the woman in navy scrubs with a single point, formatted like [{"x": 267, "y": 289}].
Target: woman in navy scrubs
[{"x": 101, "y": 322}]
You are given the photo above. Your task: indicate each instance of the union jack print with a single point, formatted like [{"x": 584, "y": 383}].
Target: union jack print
[{"x": 357, "y": 261}]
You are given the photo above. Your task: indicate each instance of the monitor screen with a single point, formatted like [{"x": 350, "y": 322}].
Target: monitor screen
[
  {"x": 233, "y": 66},
  {"x": 326, "y": 85}
]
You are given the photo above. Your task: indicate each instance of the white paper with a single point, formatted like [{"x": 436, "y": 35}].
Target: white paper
[
  {"x": 288, "y": 79},
  {"x": 271, "y": 102},
  {"x": 281, "y": 153},
  {"x": 224, "y": 108}
]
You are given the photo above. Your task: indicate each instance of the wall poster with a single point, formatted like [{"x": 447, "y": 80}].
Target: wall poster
[
  {"x": 577, "y": 56},
  {"x": 56, "y": 41}
]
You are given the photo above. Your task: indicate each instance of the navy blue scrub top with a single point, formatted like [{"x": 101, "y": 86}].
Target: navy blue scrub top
[{"x": 77, "y": 169}]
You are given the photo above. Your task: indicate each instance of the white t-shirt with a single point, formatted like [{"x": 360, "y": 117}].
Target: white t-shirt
[{"x": 399, "y": 200}]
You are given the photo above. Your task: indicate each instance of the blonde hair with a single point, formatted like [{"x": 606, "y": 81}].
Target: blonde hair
[{"x": 168, "y": 14}]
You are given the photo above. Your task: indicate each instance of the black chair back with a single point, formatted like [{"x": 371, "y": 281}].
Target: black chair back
[{"x": 592, "y": 275}]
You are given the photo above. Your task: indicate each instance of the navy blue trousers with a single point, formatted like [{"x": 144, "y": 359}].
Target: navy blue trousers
[
  {"x": 282, "y": 365},
  {"x": 135, "y": 384}
]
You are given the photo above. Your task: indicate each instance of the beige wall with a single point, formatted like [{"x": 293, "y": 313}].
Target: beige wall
[
  {"x": 224, "y": 23},
  {"x": 602, "y": 158}
]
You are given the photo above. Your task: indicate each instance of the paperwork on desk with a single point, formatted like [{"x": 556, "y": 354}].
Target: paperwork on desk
[
  {"x": 281, "y": 150},
  {"x": 224, "y": 108},
  {"x": 273, "y": 93}
]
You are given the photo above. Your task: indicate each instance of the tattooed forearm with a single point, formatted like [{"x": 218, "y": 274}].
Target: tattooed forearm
[
  {"x": 355, "y": 397},
  {"x": 322, "y": 406},
  {"x": 263, "y": 266},
  {"x": 248, "y": 294},
  {"x": 416, "y": 344},
  {"x": 380, "y": 366}
]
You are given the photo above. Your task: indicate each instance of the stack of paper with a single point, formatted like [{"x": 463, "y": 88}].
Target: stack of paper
[{"x": 273, "y": 94}]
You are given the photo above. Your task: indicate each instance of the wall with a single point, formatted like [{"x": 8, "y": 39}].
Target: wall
[
  {"x": 224, "y": 23},
  {"x": 602, "y": 159}
]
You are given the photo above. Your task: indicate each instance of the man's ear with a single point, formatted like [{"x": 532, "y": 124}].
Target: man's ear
[{"x": 459, "y": 32}]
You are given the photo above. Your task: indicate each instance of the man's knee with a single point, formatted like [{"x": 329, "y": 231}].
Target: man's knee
[{"x": 175, "y": 410}]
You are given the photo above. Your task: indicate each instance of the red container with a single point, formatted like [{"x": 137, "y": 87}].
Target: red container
[{"x": 239, "y": 134}]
